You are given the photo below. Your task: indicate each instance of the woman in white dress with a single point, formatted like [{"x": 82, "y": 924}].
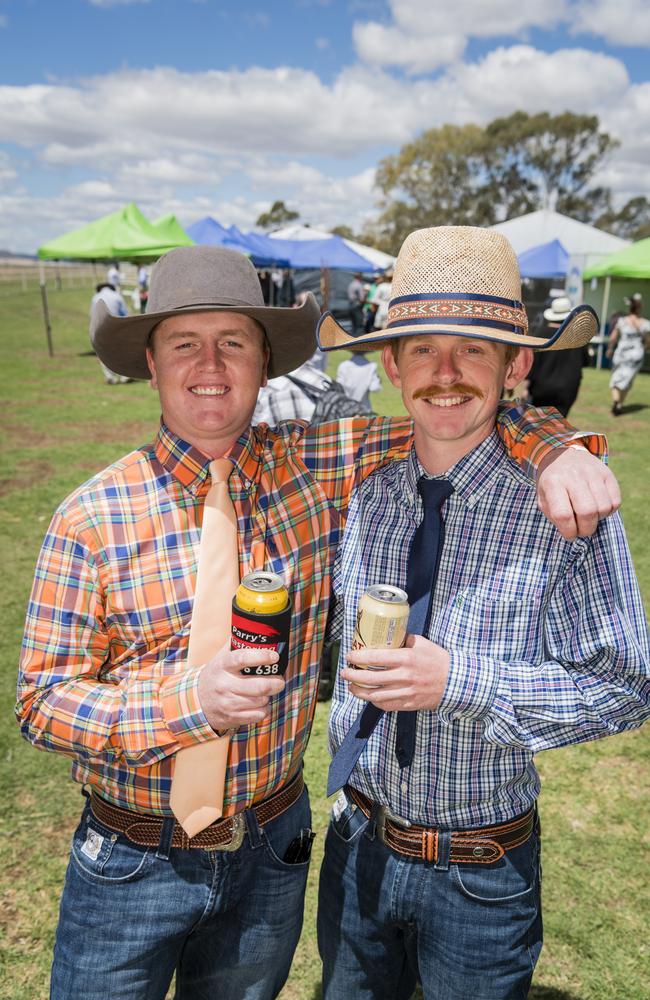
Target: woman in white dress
[{"x": 626, "y": 348}]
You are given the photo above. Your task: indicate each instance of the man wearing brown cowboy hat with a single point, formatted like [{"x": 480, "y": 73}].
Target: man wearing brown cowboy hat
[
  {"x": 192, "y": 853},
  {"x": 518, "y": 640}
]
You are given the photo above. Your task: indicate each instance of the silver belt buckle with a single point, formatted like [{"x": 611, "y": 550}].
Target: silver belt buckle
[
  {"x": 384, "y": 813},
  {"x": 238, "y": 831}
]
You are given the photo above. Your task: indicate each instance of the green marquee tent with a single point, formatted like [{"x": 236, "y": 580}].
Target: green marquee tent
[
  {"x": 632, "y": 262},
  {"x": 169, "y": 226},
  {"x": 122, "y": 235}
]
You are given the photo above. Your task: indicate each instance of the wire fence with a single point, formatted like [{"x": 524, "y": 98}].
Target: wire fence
[{"x": 25, "y": 275}]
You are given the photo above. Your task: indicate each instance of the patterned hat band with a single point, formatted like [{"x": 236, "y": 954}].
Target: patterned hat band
[{"x": 458, "y": 308}]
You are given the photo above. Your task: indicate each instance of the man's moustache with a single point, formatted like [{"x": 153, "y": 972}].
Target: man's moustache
[{"x": 460, "y": 389}]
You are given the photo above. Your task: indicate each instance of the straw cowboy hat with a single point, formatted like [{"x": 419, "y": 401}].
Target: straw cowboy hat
[
  {"x": 462, "y": 281},
  {"x": 203, "y": 279}
]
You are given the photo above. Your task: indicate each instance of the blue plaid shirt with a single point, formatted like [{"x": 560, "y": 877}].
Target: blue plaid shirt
[{"x": 548, "y": 639}]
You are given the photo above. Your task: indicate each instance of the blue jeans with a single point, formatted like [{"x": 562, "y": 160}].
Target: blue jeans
[
  {"x": 385, "y": 921},
  {"x": 226, "y": 922}
]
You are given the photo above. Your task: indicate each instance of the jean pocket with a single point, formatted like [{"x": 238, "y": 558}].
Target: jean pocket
[
  {"x": 514, "y": 878},
  {"x": 347, "y": 822},
  {"x": 101, "y": 856},
  {"x": 280, "y": 832}
]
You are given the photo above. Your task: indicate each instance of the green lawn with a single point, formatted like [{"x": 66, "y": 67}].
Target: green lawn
[{"x": 61, "y": 424}]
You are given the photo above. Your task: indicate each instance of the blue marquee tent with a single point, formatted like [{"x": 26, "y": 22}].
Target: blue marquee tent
[
  {"x": 548, "y": 260},
  {"x": 209, "y": 232},
  {"x": 265, "y": 252}
]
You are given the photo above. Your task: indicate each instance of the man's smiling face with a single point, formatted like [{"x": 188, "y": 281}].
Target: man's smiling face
[
  {"x": 208, "y": 369},
  {"x": 451, "y": 387}
]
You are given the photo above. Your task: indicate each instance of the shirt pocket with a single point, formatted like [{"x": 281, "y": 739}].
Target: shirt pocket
[{"x": 502, "y": 627}]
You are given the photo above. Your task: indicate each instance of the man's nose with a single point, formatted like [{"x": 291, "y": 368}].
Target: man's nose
[
  {"x": 211, "y": 358},
  {"x": 446, "y": 367}
]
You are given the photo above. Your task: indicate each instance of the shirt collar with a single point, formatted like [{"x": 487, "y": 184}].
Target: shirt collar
[
  {"x": 191, "y": 467},
  {"x": 471, "y": 476}
]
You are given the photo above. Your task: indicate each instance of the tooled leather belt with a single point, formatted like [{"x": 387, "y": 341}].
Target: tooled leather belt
[
  {"x": 225, "y": 834},
  {"x": 481, "y": 846}
]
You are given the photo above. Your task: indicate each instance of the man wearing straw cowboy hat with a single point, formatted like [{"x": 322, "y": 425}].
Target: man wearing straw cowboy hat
[
  {"x": 191, "y": 856},
  {"x": 518, "y": 640}
]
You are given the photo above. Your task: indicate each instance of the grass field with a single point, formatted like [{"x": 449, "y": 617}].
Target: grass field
[{"x": 61, "y": 424}]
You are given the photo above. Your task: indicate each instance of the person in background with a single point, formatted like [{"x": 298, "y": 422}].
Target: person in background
[
  {"x": 143, "y": 287},
  {"x": 368, "y": 308},
  {"x": 521, "y": 642},
  {"x": 356, "y": 298},
  {"x": 358, "y": 376},
  {"x": 115, "y": 303},
  {"x": 283, "y": 399},
  {"x": 628, "y": 343},
  {"x": 381, "y": 300},
  {"x": 114, "y": 276},
  {"x": 265, "y": 284},
  {"x": 555, "y": 376}
]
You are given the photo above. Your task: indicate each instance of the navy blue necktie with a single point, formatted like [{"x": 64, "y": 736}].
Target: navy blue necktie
[
  {"x": 423, "y": 561},
  {"x": 424, "y": 558}
]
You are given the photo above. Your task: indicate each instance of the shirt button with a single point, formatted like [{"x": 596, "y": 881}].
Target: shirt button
[{"x": 404, "y": 786}]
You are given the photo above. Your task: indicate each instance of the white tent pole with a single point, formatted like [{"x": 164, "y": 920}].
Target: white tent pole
[{"x": 603, "y": 321}]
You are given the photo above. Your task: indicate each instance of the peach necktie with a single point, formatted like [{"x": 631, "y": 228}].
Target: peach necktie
[{"x": 199, "y": 771}]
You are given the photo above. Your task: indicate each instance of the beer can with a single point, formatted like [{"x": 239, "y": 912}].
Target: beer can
[
  {"x": 261, "y": 619},
  {"x": 382, "y": 617}
]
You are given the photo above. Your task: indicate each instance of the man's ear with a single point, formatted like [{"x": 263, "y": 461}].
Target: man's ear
[
  {"x": 152, "y": 368},
  {"x": 518, "y": 368},
  {"x": 265, "y": 366},
  {"x": 390, "y": 365}
]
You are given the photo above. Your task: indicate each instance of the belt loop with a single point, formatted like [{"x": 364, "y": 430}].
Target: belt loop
[
  {"x": 253, "y": 827},
  {"x": 166, "y": 834},
  {"x": 371, "y": 830},
  {"x": 444, "y": 851}
]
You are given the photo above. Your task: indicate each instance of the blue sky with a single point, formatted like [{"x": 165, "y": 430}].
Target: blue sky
[{"x": 203, "y": 107}]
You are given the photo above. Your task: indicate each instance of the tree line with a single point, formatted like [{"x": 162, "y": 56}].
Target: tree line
[{"x": 476, "y": 175}]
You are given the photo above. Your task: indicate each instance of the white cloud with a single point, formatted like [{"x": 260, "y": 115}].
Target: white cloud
[
  {"x": 425, "y": 35},
  {"x": 626, "y": 22},
  {"x": 228, "y": 143},
  {"x": 7, "y": 171},
  {"x": 187, "y": 169},
  {"x": 380, "y": 45},
  {"x": 278, "y": 110},
  {"x": 4, "y": 20},
  {"x": 322, "y": 43},
  {"x": 524, "y": 77}
]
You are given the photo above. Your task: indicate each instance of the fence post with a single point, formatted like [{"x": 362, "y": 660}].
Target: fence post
[{"x": 46, "y": 311}]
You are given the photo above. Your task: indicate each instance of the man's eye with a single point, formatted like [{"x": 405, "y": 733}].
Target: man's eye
[{"x": 184, "y": 346}]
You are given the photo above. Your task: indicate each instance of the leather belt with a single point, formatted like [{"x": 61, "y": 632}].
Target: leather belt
[
  {"x": 224, "y": 834},
  {"x": 481, "y": 846}
]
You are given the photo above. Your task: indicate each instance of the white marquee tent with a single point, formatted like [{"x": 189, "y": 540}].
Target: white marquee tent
[
  {"x": 585, "y": 244},
  {"x": 376, "y": 257}
]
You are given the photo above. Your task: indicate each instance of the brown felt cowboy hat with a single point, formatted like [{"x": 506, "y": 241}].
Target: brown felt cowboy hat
[
  {"x": 462, "y": 281},
  {"x": 203, "y": 279}
]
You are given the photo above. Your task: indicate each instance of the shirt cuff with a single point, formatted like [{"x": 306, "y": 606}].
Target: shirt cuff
[
  {"x": 181, "y": 709},
  {"x": 596, "y": 444},
  {"x": 471, "y": 688}
]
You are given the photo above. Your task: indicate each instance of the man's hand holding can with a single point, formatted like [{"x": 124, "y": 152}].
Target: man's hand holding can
[{"x": 230, "y": 699}]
